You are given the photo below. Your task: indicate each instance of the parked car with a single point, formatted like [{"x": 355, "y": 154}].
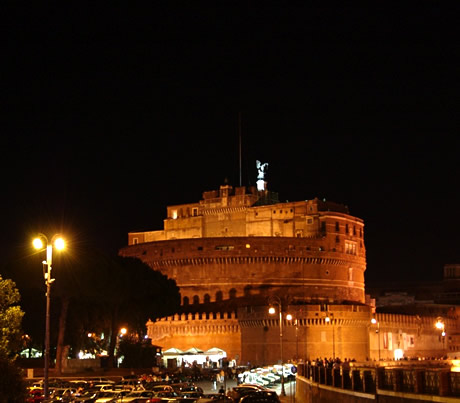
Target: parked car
[
  {"x": 238, "y": 392},
  {"x": 261, "y": 396},
  {"x": 108, "y": 396},
  {"x": 36, "y": 395},
  {"x": 136, "y": 396}
]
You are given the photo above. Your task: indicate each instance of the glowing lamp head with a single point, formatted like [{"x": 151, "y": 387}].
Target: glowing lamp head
[
  {"x": 59, "y": 243},
  {"x": 37, "y": 243},
  {"x": 271, "y": 310},
  {"x": 123, "y": 331},
  {"x": 373, "y": 321},
  {"x": 439, "y": 325},
  {"x": 289, "y": 316},
  {"x": 327, "y": 319}
]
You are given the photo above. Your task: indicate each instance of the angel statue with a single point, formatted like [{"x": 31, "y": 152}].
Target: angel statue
[{"x": 261, "y": 170}]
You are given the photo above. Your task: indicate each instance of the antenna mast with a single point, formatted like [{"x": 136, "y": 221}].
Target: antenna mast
[{"x": 239, "y": 135}]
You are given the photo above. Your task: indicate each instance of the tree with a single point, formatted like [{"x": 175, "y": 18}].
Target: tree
[
  {"x": 12, "y": 386},
  {"x": 131, "y": 293},
  {"x": 10, "y": 318}
]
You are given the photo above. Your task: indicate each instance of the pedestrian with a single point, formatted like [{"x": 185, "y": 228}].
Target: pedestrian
[{"x": 222, "y": 390}]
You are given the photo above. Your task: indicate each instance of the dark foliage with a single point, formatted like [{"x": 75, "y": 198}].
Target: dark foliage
[{"x": 12, "y": 386}]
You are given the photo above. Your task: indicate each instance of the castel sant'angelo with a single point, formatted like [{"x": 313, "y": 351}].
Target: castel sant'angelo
[{"x": 240, "y": 250}]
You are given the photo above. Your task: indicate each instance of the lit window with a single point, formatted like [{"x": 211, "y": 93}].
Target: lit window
[
  {"x": 135, "y": 241},
  {"x": 174, "y": 214}
]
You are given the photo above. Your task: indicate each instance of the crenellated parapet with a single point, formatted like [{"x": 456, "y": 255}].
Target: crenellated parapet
[{"x": 205, "y": 330}]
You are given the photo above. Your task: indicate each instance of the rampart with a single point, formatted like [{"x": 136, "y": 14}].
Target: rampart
[{"x": 206, "y": 330}]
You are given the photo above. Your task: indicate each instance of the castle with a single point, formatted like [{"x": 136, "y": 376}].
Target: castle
[{"x": 240, "y": 250}]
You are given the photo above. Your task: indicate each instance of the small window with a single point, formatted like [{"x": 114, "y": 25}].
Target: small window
[
  {"x": 194, "y": 211},
  {"x": 135, "y": 241},
  {"x": 337, "y": 226},
  {"x": 337, "y": 239},
  {"x": 200, "y": 248},
  {"x": 309, "y": 220},
  {"x": 174, "y": 214}
]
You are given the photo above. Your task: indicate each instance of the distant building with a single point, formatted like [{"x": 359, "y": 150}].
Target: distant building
[{"x": 238, "y": 250}]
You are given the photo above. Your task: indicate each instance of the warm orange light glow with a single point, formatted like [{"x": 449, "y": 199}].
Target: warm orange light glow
[
  {"x": 59, "y": 243},
  {"x": 271, "y": 310},
  {"x": 289, "y": 316},
  {"x": 123, "y": 331},
  {"x": 38, "y": 243},
  {"x": 373, "y": 321},
  {"x": 327, "y": 319},
  {"x": 439, "y": 325}
]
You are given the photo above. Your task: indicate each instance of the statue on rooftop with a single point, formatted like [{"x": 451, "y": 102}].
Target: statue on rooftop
[{"x": 261, "y": 170}]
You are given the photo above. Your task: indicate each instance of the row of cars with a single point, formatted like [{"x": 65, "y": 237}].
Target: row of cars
[{"x": 150, "y": 393}]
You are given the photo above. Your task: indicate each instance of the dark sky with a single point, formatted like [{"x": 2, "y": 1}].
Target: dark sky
[{"x": 111, "y": 113}]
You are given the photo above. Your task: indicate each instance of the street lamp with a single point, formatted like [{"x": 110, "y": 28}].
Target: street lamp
[
  {"x": 440, "y": 325},
  {"x": 376, "y": 322},
  {"x": 274, "y": 300},
  {"x": 120, "y": 335},
  {"x": 328, "y": 319},
  {"x": 39, "y": 243}
]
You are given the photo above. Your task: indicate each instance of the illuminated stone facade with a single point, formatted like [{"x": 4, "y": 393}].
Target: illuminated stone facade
[{"x": 234, "y": 250}]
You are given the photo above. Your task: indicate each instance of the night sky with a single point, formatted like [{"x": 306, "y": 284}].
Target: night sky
[{"x": 110, "y": 114}]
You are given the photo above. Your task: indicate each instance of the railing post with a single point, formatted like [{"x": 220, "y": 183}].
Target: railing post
[
  {"x": 345, "y": 378},
  {"x": 444, "y": 389},
  {"x": 336, "y": 378},
  {"x": 419, "y": 386},
  {"x": 380, "y": 377},
  {"x": 368, "y": 382},
  {"x": 356, "y": 380},
  {"x": 397, "y": 380}
]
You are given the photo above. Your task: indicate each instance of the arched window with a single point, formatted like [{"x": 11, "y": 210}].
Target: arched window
[
  {"x": 207, "y": 298},
  {"x": 196, "y": 300},
  {"x": 186, "y": 301},
  {"x": 232, "y": 293}
]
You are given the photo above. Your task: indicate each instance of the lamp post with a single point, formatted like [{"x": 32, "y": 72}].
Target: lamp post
[
  {"x": 40, "y": 245},
  {"x": 328, "y": 319},
  {"x": 377, "y": 331},
  {"x": 277, "y": 301},
  {"x": 440, "y": 325},
  {"x": 120, "y": 335}
]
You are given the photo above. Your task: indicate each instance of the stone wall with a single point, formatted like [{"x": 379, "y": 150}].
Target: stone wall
[
  {"x": 203, "y": 331},
  {"x": 216, "y": 269}
]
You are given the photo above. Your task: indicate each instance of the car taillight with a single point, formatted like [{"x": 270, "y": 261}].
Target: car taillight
[{"x": 154, "y": 400}]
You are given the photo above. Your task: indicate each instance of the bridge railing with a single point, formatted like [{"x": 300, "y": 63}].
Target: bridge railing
[{"x": 429, "y": 381}]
